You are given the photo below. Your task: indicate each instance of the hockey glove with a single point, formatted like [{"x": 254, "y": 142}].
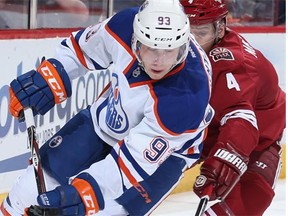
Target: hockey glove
[
  {"x": 82, "y": 197},
  {"x": 221, "y": 170},
  {"x": 40, "y": 89}
]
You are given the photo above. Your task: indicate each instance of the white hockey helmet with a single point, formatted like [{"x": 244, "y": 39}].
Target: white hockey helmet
[{"x": 161, "y": 24}]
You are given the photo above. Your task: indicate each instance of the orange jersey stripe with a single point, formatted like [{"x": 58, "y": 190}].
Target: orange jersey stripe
[
  {"x": 78, "y": 51},
  {"x": 132, "y": 179},
  {"x": 126, "y": 171},
  {"x": 126, "y": 47},
  {"x": 3, "y": 210},
  {"x": 157, "y": 116},
  {"x": 191, "y": 150}
]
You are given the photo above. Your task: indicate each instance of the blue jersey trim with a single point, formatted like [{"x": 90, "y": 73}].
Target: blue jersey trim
[
  {"x": 115, "y": 157},
  {"x": 131, "y": 159}
]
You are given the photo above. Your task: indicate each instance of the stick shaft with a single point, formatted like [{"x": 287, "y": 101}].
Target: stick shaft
[
  {"x": 202, "y": 206},
  {"x": 34, "y": 148},
  {"x": 204, "y": 200}
]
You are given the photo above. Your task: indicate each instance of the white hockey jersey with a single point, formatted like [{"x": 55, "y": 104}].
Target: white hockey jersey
[{"x": 145, "y": 120}]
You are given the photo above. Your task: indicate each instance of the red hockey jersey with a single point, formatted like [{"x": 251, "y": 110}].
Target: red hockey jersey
[{"x": 249, "y": 104}]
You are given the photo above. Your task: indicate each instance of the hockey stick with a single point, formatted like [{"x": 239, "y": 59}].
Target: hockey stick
[
  {"x": 204, "y": 200},
  {"x": 34, "y": 148},
  {"x": 34, "y": 210}
]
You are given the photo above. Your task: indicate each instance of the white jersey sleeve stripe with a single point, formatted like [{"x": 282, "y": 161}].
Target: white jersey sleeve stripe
[{"x": 247, "y": 115}]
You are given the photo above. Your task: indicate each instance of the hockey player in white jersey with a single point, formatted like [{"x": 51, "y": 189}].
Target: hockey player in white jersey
[{"x": 127, "y": 152}]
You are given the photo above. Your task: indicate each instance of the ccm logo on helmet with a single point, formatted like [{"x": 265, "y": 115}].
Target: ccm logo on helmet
[{"x": 163, "y": 39}]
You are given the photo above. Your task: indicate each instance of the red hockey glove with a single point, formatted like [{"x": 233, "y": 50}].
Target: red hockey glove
[{"x": 222, "y": 169}]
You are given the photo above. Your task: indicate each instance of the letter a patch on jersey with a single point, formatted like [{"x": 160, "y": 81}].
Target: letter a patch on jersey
[{"x": 221, "y": 53}]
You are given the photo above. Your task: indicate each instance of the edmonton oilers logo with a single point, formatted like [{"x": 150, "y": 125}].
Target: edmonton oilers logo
[
  {"x": 116, "y": 118},
  {"x": 55, "y": 141}
]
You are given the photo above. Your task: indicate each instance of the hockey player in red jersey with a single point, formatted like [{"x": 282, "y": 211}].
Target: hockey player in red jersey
[
  {"x": 123, "y": 154},
  {"x": 242, "y": 151}
]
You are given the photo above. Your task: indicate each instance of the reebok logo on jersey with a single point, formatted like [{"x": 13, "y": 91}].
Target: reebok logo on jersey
[
  {"x": 192, "y": 52},
  {"x": 231, "y": 158},
  {"x": 221, "y": 53}
]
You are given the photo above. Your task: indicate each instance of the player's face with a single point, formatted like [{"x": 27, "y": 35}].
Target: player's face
[
  {"x": 158, "y": 62},
  {"x": 205, "y": 35}
]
